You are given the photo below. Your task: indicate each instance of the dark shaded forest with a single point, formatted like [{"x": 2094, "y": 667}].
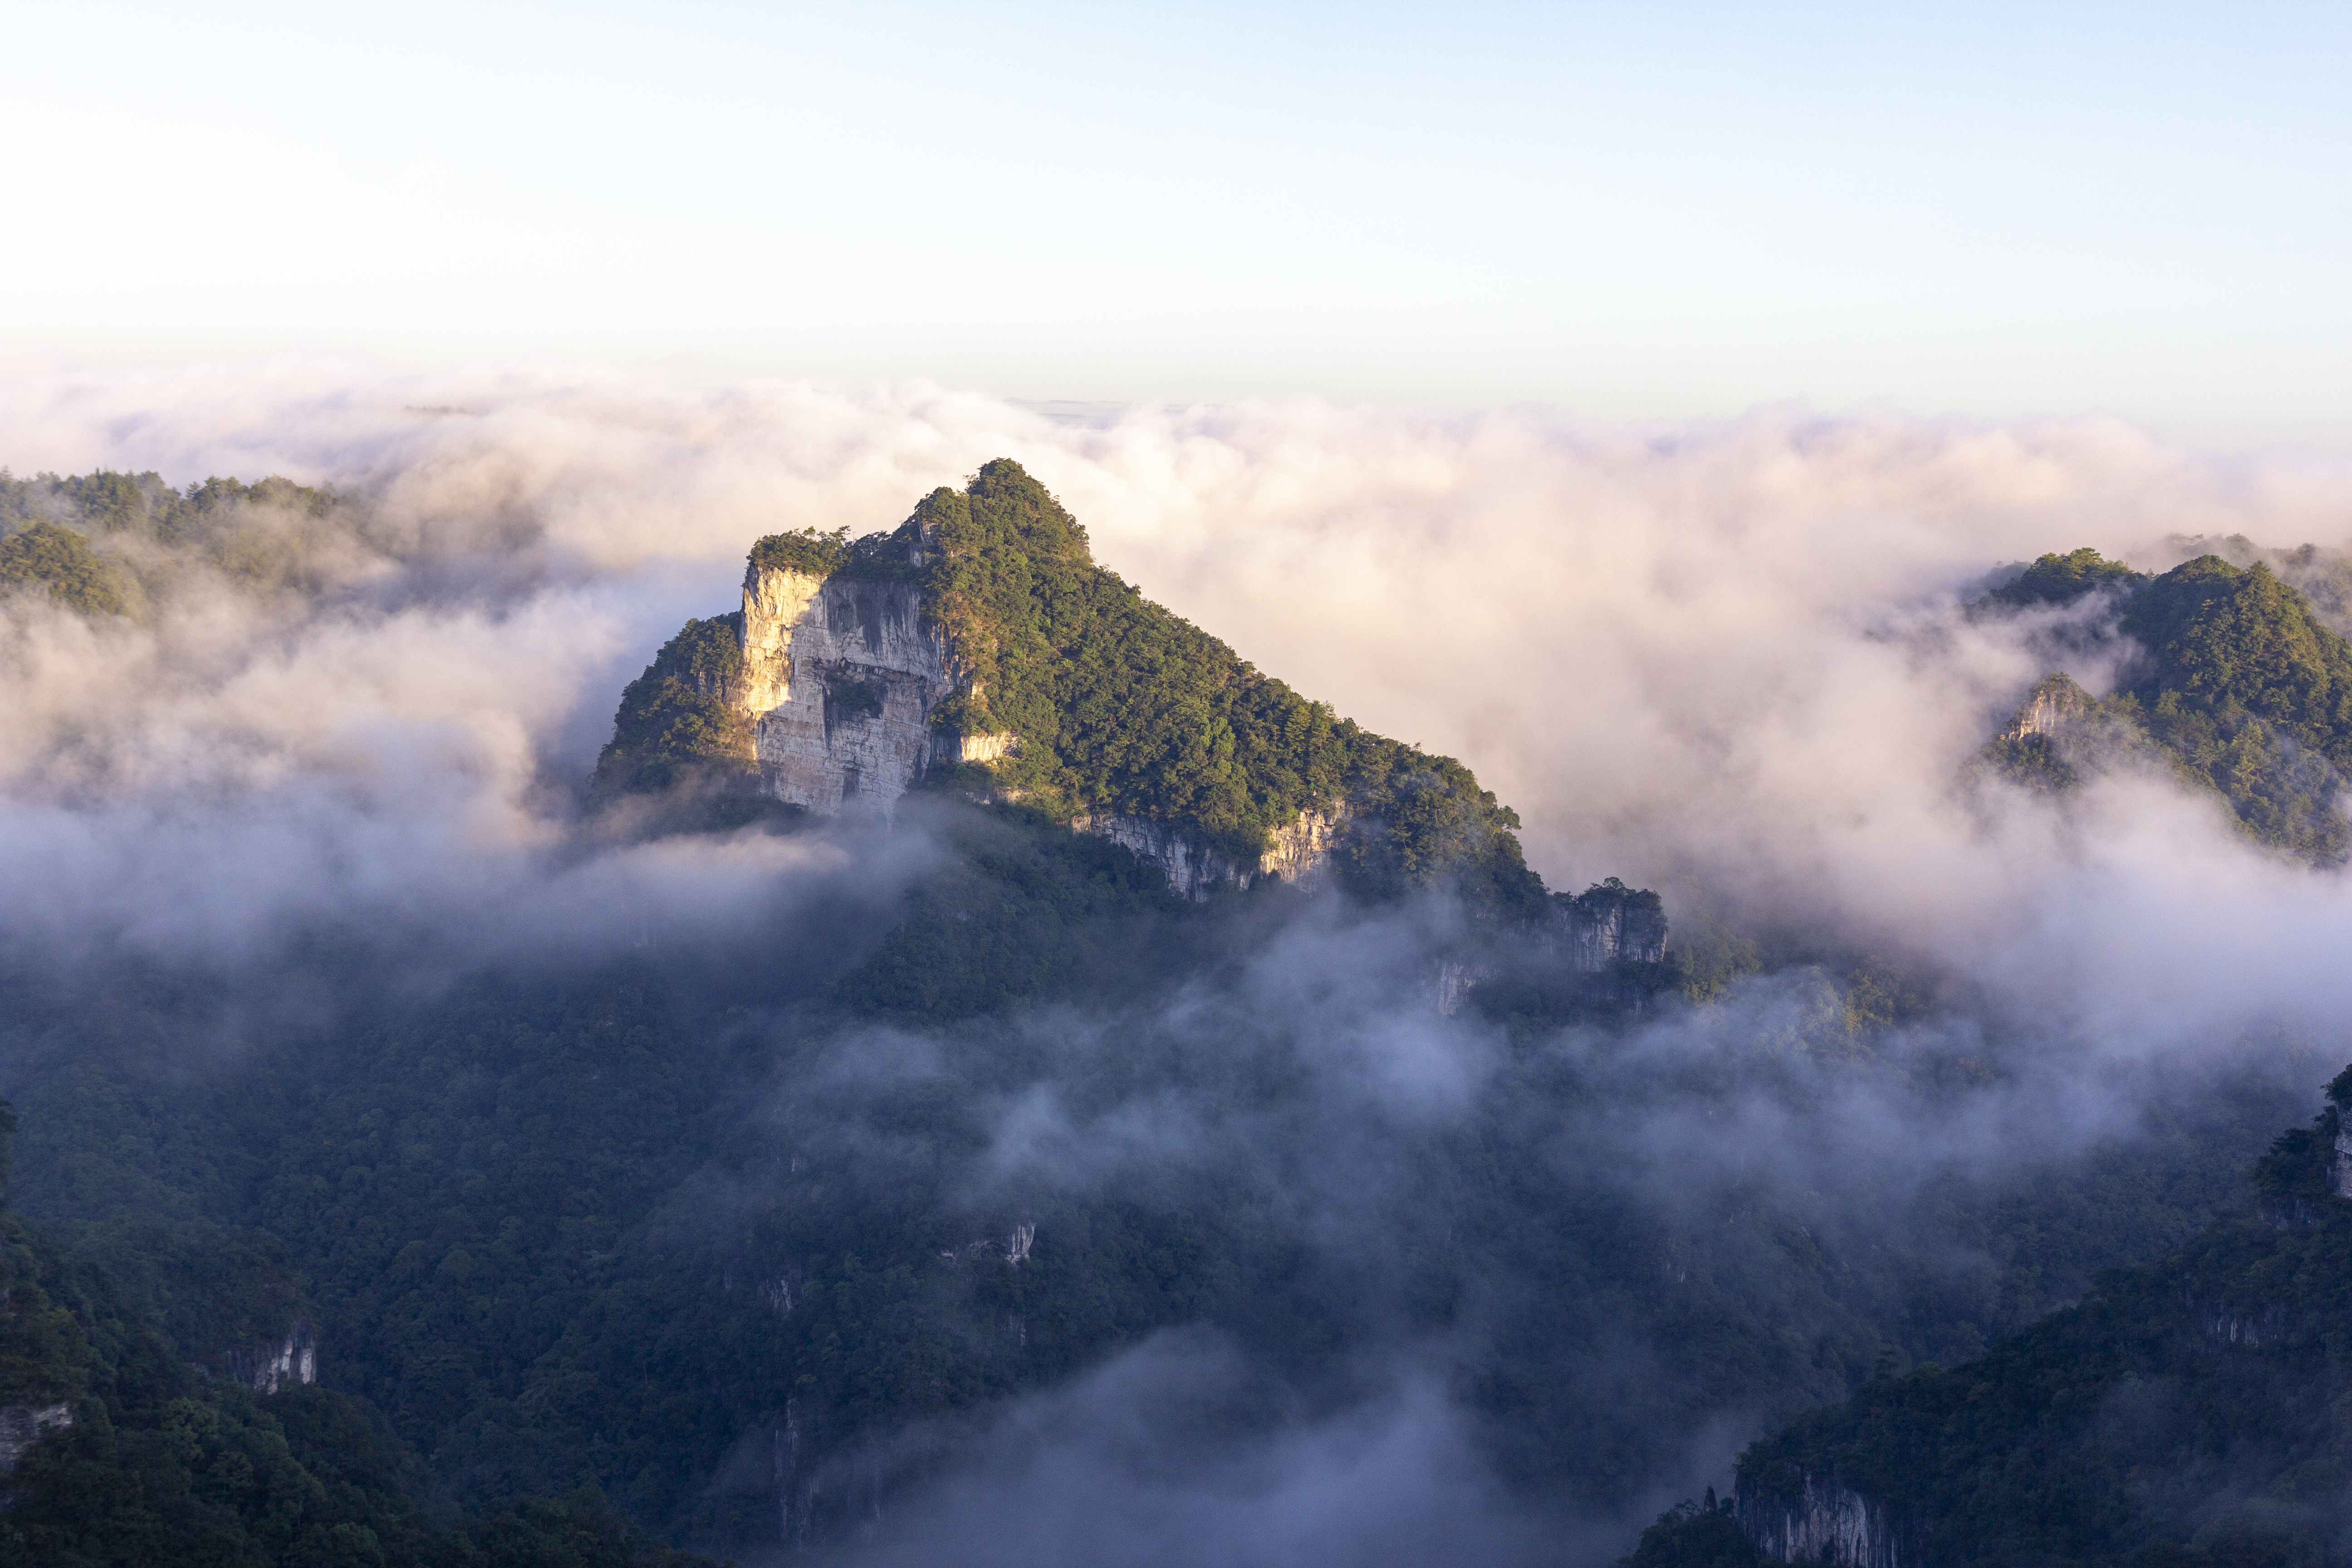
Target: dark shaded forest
[{"x": 2186, "y": 1412}]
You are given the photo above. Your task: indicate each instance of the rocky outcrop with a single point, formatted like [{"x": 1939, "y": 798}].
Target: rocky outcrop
[
  {"x": 1192, "y": 869},
  {"x": 2339, "y": 1168},
  {"x": 21, "y": 1426},
  {"x": 1299, "y": 854},
  {"x": 1454, "y": 982},
  {"x": 1607, "y": 923},
  {"x": 2055, "y": 705},
  {"x": 269, "y": 1366},
  {"x": 950, "y": 747},
  {"x": 2262, "y": 1325},
  {"x": 839, "y": 679},
  {"x": 1826, "y": 1521}
]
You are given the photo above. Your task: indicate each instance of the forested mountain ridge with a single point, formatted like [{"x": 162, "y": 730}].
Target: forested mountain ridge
[
  {"x": 978, "y": 645},
  {"x": 2238, "y": 686},
  {"x": 2189, "y": 1412}
]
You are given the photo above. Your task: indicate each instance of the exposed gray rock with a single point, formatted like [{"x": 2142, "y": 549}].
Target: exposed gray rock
[
  {"x": 1828, "y": 1522},
  {"x": 1608, "y": 922},
  {"x": 267, "y": 1367},
  {"x": 2263, "y": 1325},
  {"x": 1299, "y": 854},
  {"x": 840, "y": 678},
  {"x": 2055, "y": 705}
]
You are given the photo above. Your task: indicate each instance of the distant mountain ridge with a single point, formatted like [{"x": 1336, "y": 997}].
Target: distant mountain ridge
[{"x": 2239, "y": 686}]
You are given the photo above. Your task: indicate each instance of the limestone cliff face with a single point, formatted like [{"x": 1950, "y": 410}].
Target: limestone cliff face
[
  {"x": 1606, "y": 922},
  {"x": 1299, "y": 854},
  {"x": 2052, "y": 708},
  {"x": 1827, "y": 1522},
  {"x": 268, "y": 1366},
  {"x": 839, "y": 680}
]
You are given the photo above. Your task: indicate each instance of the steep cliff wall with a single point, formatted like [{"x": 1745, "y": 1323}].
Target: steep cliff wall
[
  {"x": 268, "y": 1366},
  {"x": 1299, "y": 853},
  {"x": 1824, "y": 1523},
  {"x": 840, "y": 679},
  {"x": 1607, "y": 923},
  {"x": 2055, "y": 705}
]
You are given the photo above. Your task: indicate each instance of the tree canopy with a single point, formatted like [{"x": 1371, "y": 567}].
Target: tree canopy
[
  {"x": 2056, "y": 579},
  {"x": 59, "y": 560}
]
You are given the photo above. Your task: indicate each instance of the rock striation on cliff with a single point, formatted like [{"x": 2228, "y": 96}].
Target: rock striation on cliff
[
  {"x": 273, "y": 1364},
  {"x": 1608, "y": 923},
  {"x": 1822, "y": 1521},
  {"x": 840, "y": 678}
]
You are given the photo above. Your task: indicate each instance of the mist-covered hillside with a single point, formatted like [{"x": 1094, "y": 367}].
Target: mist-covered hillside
[
  {"x": 2234, "y": 683},
  {"x": 2186, "y": 1412},
  {"x": 977, "y": 1048}
]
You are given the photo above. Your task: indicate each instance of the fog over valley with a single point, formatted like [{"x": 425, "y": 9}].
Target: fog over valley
[{"x": 1432, "y": 981}]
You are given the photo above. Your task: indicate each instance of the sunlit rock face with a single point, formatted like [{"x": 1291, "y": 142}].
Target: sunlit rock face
[
  {"x": 839, "y": 682},
  {"x": 1299, "y": 853},
  {"x": 2052, "y": 708},
  {"x": 1827, "y": 1522}
]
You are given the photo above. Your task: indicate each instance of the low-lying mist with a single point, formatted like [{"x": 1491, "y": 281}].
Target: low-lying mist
[{"x": 1563, "y": 1275}]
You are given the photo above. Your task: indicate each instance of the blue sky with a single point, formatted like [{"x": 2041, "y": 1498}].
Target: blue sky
[{"x": 1652, "y": 211}]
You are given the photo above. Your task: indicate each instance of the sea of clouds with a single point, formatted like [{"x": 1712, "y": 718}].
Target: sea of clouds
[
  {"x": 1727, "y": 660},
  {"x": 1721, "y": 657}
]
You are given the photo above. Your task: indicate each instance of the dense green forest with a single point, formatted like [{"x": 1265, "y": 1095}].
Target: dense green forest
[
  {"x": 147, "y": 1458},
  {"x": 2240, "y": 688},
  {"x": 676, "y": 727},
  {"x": 2186, "y": 1412}
]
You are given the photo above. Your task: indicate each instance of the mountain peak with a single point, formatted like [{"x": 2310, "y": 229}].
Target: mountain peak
[{"x": 978, "y": 647}]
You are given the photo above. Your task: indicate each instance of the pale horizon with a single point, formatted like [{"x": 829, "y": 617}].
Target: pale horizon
[{"x": 1670, "y": 213}]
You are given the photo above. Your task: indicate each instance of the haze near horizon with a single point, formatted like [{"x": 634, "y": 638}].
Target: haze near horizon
[{"x": 1656, "y": 213}]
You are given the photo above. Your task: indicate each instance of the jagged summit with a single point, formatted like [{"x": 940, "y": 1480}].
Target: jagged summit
[{"x": 978, "y": 645}]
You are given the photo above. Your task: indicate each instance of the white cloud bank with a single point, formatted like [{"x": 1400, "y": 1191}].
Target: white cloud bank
[{"x": 1721, "y": 654}]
